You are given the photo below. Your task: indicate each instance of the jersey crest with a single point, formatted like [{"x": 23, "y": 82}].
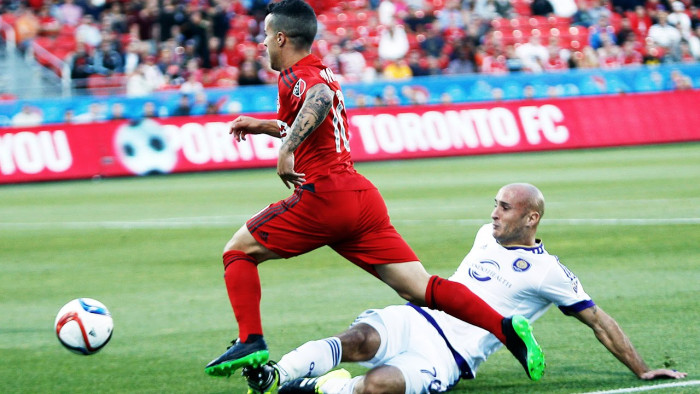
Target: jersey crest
[
  {"x": 520, "y": 265},
  {"x": 299, "y": 88}
]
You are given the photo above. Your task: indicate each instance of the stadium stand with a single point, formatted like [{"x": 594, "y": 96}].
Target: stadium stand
[{"x": 218, "y": 43}]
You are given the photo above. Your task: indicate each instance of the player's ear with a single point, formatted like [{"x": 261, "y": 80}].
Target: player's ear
[
  {"x": 281, "y": 38},
  {"x": 533, "y": 218}
]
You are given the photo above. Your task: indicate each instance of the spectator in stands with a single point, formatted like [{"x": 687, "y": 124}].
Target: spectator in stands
[
  {"x": 117, "y": 111},
  {"x": 680, "y": 19},
  {"x": 143, "y": 20},
  {"x": 149, "y": 110},
  {"x": 390, "y": 96},
  {"x": 416, "y": 63},
  {"x": 558, "y": 57},
  {"x": 195, "y": 30},
  {"x": 373, "y": 71},
  {"x": 564, "y": 8},
  {"x": 462, "y": 60},
  {"x": 686, "y": 56},
  {"x": 666, "y": 36},
  {"x": 397, "y": 69},
  {"x": 641, "y": 22},
  {"x": 599, "y": 10},
  {"x": 630, "y": 54},
  {"x": 332, "y": 59},
  {"x": 95, "y": 113},
  {"x": 485, "y": 9},
  {"x": 88, "y": 32},
  {"x": 528, "y": 92},
  {"x": 491, "y": 9},
  {"x": 68, "y": 115},
  {"x": 27, "y": 27},
  {"x": 694, "y": 43},
  {"x": 107, "y": 59},
  {"x": 219, "y": 19},
  {"x": 192, "y": 85},
  {"x": 386, "y": 12},
  {"x": 415, "y": 95},
  {"x": 680, "y": 81},
  {"x": 249, "y": 74},
  {"x": 587, "y": 59},
  {"x": 434, "y": 43},
  {"x": 152, "y": 73},
  {"x": 27, "y": 117},
  {"x": 541, "y": 8},
  {"x": 231, "y": 55},
  {"x": 419, "y": 13},
  {"x": 168, "y": 16},
  {"x": 393, "y": 42},
  {"x": 69, "y": 13},
  {"x": 451, "y": 16},
  {"x": 48, "y": 24},
  {"x": 533, "y": 54},
  {"x": 601, "y": 31},
  {"x": 115, "y": 18},
  {"x": 216, "y": 58},
  {"x": 625, "y": 32},
  {"x": 137, "y": 85},
  {"x": 183, "y": 107},
  {"x": 352, "y": 62},
  {"x": 81, "y": 63},
  {"x": 582, "y": 16},
  {"x": 131, "y": 57},
  {"x": 622, "y": 6},
  {"x": 494, "y": 62},
  {"x": 609, "y": 54}
]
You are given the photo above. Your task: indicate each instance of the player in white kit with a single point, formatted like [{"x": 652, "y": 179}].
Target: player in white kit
[{"x": 418, "y": 350}]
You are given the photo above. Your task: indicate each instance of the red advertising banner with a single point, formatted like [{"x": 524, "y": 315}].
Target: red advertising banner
[{"x": 120, "y": 148}]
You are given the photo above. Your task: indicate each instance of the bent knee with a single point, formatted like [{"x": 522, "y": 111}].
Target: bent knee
[
  {"x": 360, "y": 343},
  {"x": 383, "y": 380}
]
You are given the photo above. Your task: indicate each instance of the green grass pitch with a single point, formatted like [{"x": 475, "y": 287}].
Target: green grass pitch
[{"x": 626, "y": 220}]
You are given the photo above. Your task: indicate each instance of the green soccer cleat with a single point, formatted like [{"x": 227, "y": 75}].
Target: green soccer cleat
[
  {"x": 263, "y": 379},
  {"x": 524, "y": 346},
  {"x": 313, "y": 385},
  {"x": 240, "y": 354}
]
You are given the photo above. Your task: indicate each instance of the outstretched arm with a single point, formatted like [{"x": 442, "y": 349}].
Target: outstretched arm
[
  {"x": 317, "y": 104},
  {"x": 244, "y": 125},
  {"x": 614, "y": 339}
]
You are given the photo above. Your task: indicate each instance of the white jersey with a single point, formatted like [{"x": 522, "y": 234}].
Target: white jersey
[{"x": 514, "y": 281}]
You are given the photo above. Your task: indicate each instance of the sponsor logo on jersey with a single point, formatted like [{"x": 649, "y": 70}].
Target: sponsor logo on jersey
[
  {"x": 485, "y": 270},
  {"x": 299, "y": 88},
  {"x": 521, "y": 265}
]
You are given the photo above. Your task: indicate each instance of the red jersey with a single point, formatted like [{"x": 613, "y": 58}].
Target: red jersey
[{"x": 324, "y": 156}]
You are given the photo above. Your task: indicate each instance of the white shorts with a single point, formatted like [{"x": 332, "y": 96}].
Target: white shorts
[{"x": 411, "y": 344}]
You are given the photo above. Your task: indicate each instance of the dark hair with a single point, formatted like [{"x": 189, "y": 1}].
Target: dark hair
[{"x": 296, "y": 19}]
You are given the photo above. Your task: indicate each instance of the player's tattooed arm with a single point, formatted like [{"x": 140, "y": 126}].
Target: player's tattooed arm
[{"x": 319, "y": 100}]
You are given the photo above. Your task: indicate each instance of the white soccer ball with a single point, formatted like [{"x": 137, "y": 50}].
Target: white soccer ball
[{"x": 84, "y": 326}]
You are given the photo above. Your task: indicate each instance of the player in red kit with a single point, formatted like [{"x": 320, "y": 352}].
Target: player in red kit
[{"x": 332, "y": 204}]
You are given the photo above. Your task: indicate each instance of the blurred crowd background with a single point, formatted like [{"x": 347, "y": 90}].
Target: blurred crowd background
[{"x": 137, "y": 49}]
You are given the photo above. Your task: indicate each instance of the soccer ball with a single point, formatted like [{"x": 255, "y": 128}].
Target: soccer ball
[{"x": 84, "y": 326}]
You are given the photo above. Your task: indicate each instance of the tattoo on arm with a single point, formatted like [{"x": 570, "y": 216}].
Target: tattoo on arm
[{"x": 319, "y": 100}]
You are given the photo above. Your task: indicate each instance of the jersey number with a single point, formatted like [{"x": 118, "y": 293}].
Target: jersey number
[{"x": 339, "y": 130}]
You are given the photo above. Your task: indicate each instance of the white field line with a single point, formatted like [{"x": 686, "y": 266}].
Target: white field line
[
  {"x": 236, "y": 221},
  {"x": 649, "y": 388}
]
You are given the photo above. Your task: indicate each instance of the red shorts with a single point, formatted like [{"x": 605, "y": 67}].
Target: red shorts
[{"x": 354, "y": 223}]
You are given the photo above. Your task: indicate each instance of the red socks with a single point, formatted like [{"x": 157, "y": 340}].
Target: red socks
[
  {"x": 457, "y": 300},
  {"x": 243, "y": 287}
]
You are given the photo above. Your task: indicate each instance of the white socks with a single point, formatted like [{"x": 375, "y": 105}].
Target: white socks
[{"x": 311, "y": 359}]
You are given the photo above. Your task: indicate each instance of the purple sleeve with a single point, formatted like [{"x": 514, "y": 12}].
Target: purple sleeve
[{"x": 577, "y": 307}]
